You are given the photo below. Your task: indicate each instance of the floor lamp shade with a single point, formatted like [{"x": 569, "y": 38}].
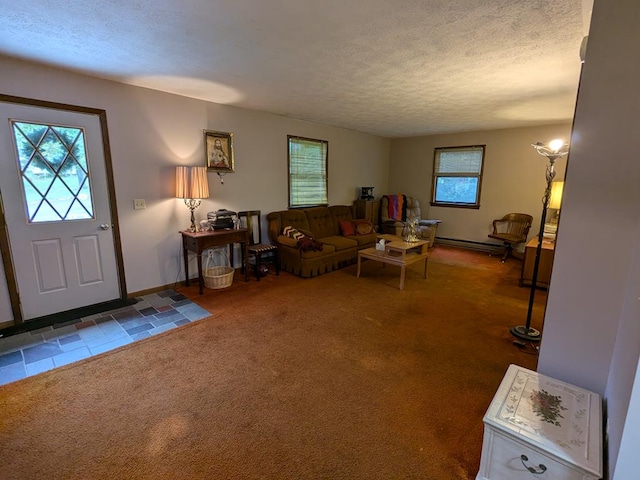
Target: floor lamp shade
[{"x": 556, "y": 195}]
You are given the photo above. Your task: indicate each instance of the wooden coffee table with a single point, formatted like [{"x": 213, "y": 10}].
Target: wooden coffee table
[{"x": 397, "y": 252}]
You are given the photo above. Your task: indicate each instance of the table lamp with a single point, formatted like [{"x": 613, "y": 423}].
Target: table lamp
[{"x": 192, "y": 185}]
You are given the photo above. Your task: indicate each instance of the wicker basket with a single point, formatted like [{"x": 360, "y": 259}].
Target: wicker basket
[{"x": 216, "y": 277}]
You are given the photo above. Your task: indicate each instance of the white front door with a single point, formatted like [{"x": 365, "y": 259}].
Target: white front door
[{"x": 56, "y": 203}]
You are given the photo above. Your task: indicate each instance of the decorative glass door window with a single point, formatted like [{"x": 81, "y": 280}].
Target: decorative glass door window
[{"x": 53, "y": 167}]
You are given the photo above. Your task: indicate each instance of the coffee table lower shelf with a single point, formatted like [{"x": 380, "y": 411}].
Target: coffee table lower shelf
[{"x": 386, "y": 258}]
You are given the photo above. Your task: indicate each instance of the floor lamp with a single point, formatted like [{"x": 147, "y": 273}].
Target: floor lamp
[{"x": 555, "y": 150}]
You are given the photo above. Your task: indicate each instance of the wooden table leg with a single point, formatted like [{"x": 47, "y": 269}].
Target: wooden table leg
[
  {"x": 200, "y": 276},
  {"x": 402, "y": 270},
  {"x": 242, "y": 255},
  {"x": 185, "y": 254},
  {"x": 359, "y": 262},
  {"x": 425, "y": 267},
  {"x": 245, "y": 247}
]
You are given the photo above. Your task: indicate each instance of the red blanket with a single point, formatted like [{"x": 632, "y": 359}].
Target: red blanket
[{"x": 397, "y": 207}]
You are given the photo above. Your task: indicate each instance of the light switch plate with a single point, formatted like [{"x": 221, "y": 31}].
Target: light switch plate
[{"x": 139, "y": 204}]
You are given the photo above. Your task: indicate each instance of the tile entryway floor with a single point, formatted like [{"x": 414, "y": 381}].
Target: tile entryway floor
[{"x": 40, "y": 350}]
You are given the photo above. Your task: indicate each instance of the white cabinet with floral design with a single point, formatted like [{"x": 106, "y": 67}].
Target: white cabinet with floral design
[{"x": 541, "y": 428}]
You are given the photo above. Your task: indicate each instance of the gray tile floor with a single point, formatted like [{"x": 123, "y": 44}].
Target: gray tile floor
[{"x": 40, "y": 350}]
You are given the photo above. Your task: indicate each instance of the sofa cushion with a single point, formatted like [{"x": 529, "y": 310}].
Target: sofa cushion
[
  {"x": 294, "y": 218},
  {"x": 320, "y": 222},
  {"x": 339, "y": 242},
  {"x": 341, "y": 212},
  {"x": 364, "y": 239}
]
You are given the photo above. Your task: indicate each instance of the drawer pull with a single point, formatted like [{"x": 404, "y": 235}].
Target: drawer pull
[{"x": 541, "y": 467}]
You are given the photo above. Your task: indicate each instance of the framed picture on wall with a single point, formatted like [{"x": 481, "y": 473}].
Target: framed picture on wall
[{"x": 219, "y": 151}]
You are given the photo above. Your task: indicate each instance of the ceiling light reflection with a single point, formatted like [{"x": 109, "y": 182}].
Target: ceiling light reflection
[{"x": 189, "y": 87}]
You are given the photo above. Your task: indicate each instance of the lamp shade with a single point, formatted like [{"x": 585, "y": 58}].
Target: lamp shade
[
  {"x": 556, "y": 195},
  {"x": 192, "y": 182},
  {"x": 182, "y": 182}
]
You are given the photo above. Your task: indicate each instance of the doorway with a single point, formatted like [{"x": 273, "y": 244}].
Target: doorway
[{"x": 59, "y": 234}]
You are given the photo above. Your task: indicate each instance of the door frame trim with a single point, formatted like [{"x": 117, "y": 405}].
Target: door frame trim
[{"x": 5, "y": 251}]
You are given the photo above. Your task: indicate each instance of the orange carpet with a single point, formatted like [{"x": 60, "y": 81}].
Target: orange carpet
[{"x": 333, "y": 377}]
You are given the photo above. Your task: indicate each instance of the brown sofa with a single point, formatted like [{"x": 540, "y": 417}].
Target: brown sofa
[{"x": 323, "y": 225}]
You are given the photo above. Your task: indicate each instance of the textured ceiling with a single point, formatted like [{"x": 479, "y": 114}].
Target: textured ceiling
[{"x": 391, "y": 68}]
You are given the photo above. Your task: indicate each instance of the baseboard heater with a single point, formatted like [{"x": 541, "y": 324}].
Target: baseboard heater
[{"x": 469, "y": 244}]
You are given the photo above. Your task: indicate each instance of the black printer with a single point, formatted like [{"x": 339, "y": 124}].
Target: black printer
[{"x": 221, "y": 219}]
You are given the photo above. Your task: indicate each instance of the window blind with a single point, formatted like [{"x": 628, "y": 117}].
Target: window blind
[
  {"x": 307, "y": 172},
  {"x": 459, "y": 161},
  {"x": 457, "y": 176}
]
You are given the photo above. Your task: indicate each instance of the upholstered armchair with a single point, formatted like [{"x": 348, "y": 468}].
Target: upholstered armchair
[{"x": 397, "y": 210}]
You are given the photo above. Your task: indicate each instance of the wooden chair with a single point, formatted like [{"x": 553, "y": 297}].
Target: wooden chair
[
  {"x": 251, "y": 220},
  {"x": 512, "y": 229}
]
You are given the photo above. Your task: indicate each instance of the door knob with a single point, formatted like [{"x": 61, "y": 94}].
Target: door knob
[{"x": 105, "y": 226}]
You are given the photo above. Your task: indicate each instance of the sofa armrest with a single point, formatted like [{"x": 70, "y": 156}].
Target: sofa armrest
[{"x": 287, "y": 241}]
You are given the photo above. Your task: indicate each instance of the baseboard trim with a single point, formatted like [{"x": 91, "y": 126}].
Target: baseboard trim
[{"x": 149, "y": 291}]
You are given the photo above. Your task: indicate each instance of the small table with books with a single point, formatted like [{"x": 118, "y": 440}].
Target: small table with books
[{"x": 396, "y": 252}]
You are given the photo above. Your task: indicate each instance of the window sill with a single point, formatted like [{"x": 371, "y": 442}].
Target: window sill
[{"x": 454, "y": 205}]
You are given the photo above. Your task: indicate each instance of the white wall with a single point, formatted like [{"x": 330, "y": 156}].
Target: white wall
[
  {"x": 513, "y": 177},
  {"x": 151, "y": 132},
  {"x": 591, "y": 331},
  {"x": 623, "y": 398},
  {"x": 626, "y": 466}
]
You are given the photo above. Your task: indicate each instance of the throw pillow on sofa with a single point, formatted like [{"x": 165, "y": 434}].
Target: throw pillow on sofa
[
  {"x": 346, "y": 227},
  {"x": 292, "y": 233},
  {"x": 305, "y": 242},
  {"x": 363, "y": 227}
]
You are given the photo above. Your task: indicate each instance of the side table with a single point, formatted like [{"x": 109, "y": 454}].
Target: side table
[
  {"x": 367, "y": 209},
  {"x": 546, "y": 262},
  {"x": 539, "y": 427},
  {"x": 198, "y": 241}
]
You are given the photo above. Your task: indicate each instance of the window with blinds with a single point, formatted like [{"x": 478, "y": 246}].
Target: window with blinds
[
  {"x": 308, "y": 161},
  {"x": 457, "y": 176}
]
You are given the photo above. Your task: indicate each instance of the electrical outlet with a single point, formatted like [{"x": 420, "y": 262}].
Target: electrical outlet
[{"x": 139, "y": 204}]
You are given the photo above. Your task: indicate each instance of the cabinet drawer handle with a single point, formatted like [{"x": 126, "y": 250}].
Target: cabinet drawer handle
[{"x": 541, "y": 467}]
